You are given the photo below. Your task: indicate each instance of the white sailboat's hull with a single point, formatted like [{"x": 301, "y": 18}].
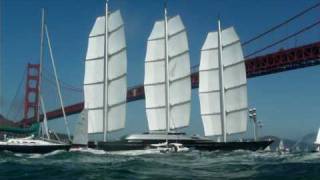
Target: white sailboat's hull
[{"x": 36, "y": 146}]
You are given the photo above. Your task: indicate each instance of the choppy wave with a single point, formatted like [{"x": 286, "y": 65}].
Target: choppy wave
[{"x": 150, "y": 165}]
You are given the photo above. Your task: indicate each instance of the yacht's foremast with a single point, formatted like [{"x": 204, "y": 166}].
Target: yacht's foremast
[
  {"x": 221, "y": 83},
  {"x": 166, "y": 70},
  {"x": 105, "y": 87}
]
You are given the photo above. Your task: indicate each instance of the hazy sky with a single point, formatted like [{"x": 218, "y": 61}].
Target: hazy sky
[{"x": 287, "y": 103}]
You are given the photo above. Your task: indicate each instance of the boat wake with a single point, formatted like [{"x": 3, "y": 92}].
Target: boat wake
[
  {"x": 37, "y": 156},
  {"x": 88, "y": 150},
  {"x": 135, "y": 152}
]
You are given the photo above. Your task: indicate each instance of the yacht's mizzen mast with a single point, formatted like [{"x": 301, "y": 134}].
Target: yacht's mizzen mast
[
  {"x": 105, "y": 87},
  {"x": 221, "y": 83},
  {"x": 167, "y": 81},
  {"x": 105, "y": 80},
  {"x": 167, "y": 95}
]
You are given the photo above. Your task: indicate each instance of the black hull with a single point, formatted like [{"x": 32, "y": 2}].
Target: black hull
[
  {"x": 201, "y": 145},
  {"x": 43, "y": 149}
]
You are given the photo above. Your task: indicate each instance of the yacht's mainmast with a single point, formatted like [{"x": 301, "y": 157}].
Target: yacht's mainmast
[
  {"x": 166, "y": 69},
  {"x": 221, "y": 83},
  {"x": 105, "y": 94}
]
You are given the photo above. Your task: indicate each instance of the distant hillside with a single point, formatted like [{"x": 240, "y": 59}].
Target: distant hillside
[
  {"x": 5, "y": 122},
  {"x": 305, "y": 143}
]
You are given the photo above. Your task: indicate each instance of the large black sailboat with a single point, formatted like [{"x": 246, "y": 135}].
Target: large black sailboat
[{"x": 167, "y": 86}]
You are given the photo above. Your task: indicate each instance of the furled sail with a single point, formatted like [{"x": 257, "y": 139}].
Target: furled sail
[
  {"x": 80, "y": 136},
  {"x": 234, "y": 82},
  {"x": 105, "y": 81},
  {"x": 178, "y": 73},
  {"x": 318, "y": 138}
]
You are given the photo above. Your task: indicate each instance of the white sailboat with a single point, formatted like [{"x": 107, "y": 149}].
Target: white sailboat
[
  {"x": 105, "y": 80},
  {"x": 223, "y": 84},
  {"x": 267, "y": 149},
  {"x": 281, "y": 147},
  {"x": 167, "y": 87},
  {"x": 36, "y": 144},
  {"x": 167, "y": 77},
  {"x": 317, "y": 142}
]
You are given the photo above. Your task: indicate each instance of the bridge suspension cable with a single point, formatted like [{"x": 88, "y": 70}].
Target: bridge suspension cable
[
  {"x": 50, "y": 78},
  {"x": 284, "y": 39},
  {"x": 273, "y": 28},
  {"x": 15, "y": 98},
  {"x": 280, "y": 24}
]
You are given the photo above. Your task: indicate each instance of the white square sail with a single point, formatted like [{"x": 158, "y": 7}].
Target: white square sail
[
  {"x": 234, "y": 84},
  {"x": 105, "y": 81},
  {"x": 178, "y": 73}
]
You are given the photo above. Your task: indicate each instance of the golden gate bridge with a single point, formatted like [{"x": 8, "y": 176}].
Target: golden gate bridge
[{"x": 280, "y": 61}]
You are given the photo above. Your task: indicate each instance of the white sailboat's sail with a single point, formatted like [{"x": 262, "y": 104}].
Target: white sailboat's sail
[
  {"x": 80, "y": 136},
  {"x": 179, "y": 76},
  {"x": 234, "y": 80},
  {"x": 318, "y": 138},
  {"x": 281, "y": 146},
  {"x": 105, "y": 81}
]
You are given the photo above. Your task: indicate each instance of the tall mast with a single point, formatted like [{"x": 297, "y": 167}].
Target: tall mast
[
  {"x": 40, "y": 62},
  {"x": 1, "y": 104},
  {"x": 221, "y": 83},
  {"x": 166, "y": 68},
  {"x": 105, "y": 94},
  {"x": 57, "y": 83}
]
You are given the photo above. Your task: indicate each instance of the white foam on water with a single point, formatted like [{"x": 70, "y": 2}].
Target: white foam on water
[
  {"x": 35, "y": 156},
  {"x": 54, "y": 153},
  {"x": 88, "y": 150},
  {"x": 135, "y": 152}
]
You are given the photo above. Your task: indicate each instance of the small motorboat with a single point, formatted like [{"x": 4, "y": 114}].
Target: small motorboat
[{"x": 171, "y": 147}]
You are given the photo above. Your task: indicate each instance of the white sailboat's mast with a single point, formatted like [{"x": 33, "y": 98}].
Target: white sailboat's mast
[
  {"x": 1, "y": 97},
  {"x": 58, "y": 84},
  {"x": 105, "y": 94},
  {"x": 221, "y": 83},
  {"x": 166, "y": 69},
  {"x": 40, "y": 62}
]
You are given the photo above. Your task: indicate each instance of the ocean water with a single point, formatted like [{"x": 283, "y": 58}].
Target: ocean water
[{"x": 145, "y": 165}]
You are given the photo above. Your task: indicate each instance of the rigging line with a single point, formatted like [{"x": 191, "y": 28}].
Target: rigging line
[
  {"x": 19, "y": 111},
  {"x": 272, "y": 28},
  {"x": 52, "y": 82},
  {"x": 281, "y": 24},
  {"x": 63, "y": 83},
  {"x": 16, "y": 93},
  {"x": 283, "y": 39}
]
